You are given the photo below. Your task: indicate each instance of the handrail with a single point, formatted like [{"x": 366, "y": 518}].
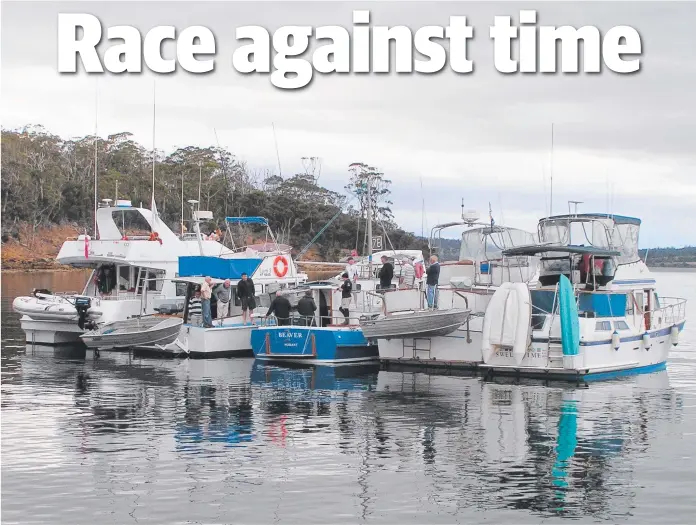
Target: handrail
[{"x": 673, "y": 312}]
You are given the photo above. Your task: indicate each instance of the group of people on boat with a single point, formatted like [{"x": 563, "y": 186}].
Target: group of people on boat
[
  {"x": 410, "y": 277},
  {"x": 200, "y": 307}
]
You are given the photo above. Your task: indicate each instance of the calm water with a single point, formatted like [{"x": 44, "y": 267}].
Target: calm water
[{"x": 121, "y": 439}]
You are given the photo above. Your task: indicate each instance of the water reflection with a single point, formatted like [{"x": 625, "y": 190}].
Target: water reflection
[{"x": 350, "y": 442}]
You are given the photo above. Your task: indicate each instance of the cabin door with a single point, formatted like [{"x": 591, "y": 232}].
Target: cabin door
[
  {"x": 639, "y": 308},
  {"x": 648, "y": 308}
]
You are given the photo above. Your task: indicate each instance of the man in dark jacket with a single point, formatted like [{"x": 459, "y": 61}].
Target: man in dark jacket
[
  {"x": 346, "y": 290},
  {"x": 433, "y": 277},
  {"x": 306, "y": 308},
  {"x": 247, "y": 296},
  {"x": 280, "y": 306},
  {"x": 386, "y": 274}
]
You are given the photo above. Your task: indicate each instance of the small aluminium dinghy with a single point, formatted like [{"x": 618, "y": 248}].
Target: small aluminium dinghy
[
  {"x": 139, "y": 331},
  {"x": 421, "y": 323}
]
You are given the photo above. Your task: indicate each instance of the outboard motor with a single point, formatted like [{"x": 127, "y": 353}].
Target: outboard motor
[{"x": 82, "y": 304}]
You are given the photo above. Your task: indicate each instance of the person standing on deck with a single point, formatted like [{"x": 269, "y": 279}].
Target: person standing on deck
[
  {"x": 280, "y": 306},
  {"x": 306, "y": 308},
  {"x": 223, "y": 292},
  {"x": 386, "y": 274},
  {"x": 433, "y": 276},
  {"x": 247, "y": 296},
  {"x": 346, "y": 290},
  {"x": 206, "y": 294},
  {"x": 352, "y": 270},
  {"x": 194, "y": 308},
  {"x": 408, "y": 274}
]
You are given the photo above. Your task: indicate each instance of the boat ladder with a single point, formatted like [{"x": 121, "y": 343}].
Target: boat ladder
[
  {"x": 555, "y": 357},
  {"x": 415, "y": 347}
]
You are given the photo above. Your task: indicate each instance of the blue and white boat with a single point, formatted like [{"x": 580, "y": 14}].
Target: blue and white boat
[
  {"x": 268, "y": 264},
  {"x": 331, "y": 337},
  {"x": 327, "y": 340},
  {"x": 596, "y": 312}
]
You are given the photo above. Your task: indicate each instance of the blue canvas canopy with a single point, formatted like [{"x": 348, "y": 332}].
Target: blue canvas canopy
[
  {"x": 247, "y": 220},
  {"x": 217, "y": 267}
]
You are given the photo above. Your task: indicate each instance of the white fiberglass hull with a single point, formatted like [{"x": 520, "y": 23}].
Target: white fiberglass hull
[
  {"x": 51, "y": 332},
  {"x": 596, "y": 360},
  {"x": 230, "y": 339}
]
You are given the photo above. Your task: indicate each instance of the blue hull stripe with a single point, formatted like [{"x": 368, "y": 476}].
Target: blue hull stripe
[
  {"x": 634, "y": 281},
  {"x": 601, "y": 376}
]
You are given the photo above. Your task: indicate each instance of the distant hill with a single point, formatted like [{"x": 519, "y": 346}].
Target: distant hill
[
  {"x": 670, "y": 257},
  {"x": 449, "y": 248}
]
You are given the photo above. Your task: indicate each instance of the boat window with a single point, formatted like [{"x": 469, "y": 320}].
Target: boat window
[
  {"x": 639, "y": 301},
  {"x": 625, "y": 240},
  {"x": 603, "y": 326},
  {"x": 542, "y": 301},
  {"x": 630, "y": 304},
  {"x": 621, "y": 325},
  {"x": 576, "y": 232},
  {"x": 180, "y": 289},
  {"x": 483, "y": 244},
  {"x": 124, "y": 277},
  {"x": 154, "y": 283},
  {"x": 602, "y": 305},
  {"x": 131, "y": 223}
]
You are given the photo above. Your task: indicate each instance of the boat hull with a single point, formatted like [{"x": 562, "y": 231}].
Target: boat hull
[
  {"x": 596, "y": 360},
  {"x": 51, "y": 332},
  {"x": 133, "y": 332},
  {"x": 232, "y": 339},
  {"x": 329, "y": 345},
  {"x": 417, "y": 324}
]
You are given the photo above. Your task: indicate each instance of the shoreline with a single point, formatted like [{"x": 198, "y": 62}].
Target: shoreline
[{"x": 68, "y": 269}]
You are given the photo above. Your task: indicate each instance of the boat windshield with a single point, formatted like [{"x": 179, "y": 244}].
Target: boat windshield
[
  {"x": 485, "y": 244},
  {"x": 601, "y": 233}
]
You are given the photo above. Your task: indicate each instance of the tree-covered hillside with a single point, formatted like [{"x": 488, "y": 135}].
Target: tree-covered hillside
[
  {"x": 48, "y": 180},
  {"x": 670, "y": 257}
]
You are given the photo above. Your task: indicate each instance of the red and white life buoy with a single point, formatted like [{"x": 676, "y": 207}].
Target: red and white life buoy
[{"x": 280, "y": 261}]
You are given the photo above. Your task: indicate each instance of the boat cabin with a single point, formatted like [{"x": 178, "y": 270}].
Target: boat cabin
[
  {"x": 481, "y": 255},
  {"x": 586, "y": 248}
]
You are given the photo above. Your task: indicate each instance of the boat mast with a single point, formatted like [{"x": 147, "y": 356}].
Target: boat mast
[
  {"x": 369, "y": 223},
  {"x": 182, "y": 203},
  {"x": 200, "y": 183},
  {"x": 551, "y": 203},
  {"x": 275, "y": 140},
  {"x": 96, "y": 141},
  {"x": 154, "y": 151}
]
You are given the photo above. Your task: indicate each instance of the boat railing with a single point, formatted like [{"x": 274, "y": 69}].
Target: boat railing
[
  {"x": 299, "y": 320},
  {"x": 672, "y": 311}
]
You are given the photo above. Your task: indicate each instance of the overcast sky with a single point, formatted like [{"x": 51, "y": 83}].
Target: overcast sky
[{"x": 625, "y": 143}]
